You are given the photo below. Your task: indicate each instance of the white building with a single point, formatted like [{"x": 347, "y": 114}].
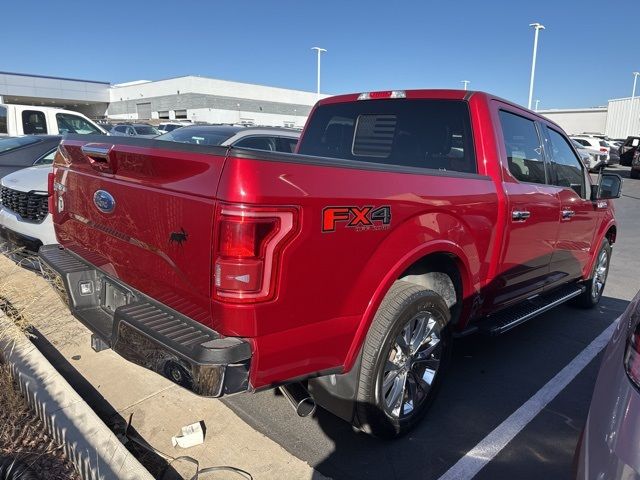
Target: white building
[
  {"x": 619, "y": 119},
  {"x": 202, "y": 99},
  {"x": 86, "y": 96},
  {"x": 579, "y": 120},
  {"x": 623, "y": 118},
  {"x": 189, "y": 98}
]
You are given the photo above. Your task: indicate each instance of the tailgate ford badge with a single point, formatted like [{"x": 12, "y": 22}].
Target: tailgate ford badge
[{"x": 104, "y": 201}]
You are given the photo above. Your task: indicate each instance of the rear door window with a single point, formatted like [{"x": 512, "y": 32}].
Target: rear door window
[
  {"x": 569, "y": 171},
  {"x": 524, "y": 150},
  {"x": 34, "y": 122},
  {"x": 434, "y": 134}
]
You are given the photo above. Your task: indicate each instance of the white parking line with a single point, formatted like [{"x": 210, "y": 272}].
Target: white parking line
[{"x": 469, "y": 465}]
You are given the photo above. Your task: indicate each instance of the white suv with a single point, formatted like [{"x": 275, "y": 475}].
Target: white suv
[
  {"x": 594, "y": 143},
  {"x": 25, "y": 221}
]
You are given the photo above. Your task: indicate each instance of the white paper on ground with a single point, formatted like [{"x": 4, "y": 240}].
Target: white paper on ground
[{"x": 192, "y": 435}]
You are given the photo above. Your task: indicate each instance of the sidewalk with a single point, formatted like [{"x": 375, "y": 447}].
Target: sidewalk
[{"x": 159, "y": 407}]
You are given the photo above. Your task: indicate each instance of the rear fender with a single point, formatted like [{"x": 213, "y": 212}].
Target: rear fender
[{"x": 384, "y": 269}]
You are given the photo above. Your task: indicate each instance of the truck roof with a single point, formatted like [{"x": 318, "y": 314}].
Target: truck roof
[{"x": 435, "y": 94}]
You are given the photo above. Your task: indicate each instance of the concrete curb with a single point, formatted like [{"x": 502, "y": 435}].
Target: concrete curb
[{"x": 90, "y": 444}]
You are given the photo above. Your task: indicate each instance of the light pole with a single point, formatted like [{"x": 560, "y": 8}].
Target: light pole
[
  {"x": 537, "y": 27},
  {"x": 633, "y": 96},
  {"x": 465, "y": 83},
  {"x": 319, "y": 50},
  {"x": 537, "y": 102}
]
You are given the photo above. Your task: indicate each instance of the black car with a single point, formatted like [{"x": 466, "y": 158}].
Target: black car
[
  {"x": 23, "y": 152},
  {"x": 628, "y": 150}
]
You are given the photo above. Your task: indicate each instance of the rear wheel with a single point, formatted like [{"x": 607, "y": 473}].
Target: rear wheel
[
  {"x": 405, "y": 355},
  {"x": 595, "y": 286}
]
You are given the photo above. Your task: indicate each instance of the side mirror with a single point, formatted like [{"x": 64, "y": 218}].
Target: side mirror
[{"x": 609, "y": 187}]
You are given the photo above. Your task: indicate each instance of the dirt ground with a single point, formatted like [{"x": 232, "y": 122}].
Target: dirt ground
[{"x": 24, "y": 437}]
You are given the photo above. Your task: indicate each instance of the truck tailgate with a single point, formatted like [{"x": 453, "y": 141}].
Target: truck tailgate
[{"x": 142, "y": 211}]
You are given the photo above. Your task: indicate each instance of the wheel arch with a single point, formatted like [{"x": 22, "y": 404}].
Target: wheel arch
[{"x": 418, "y": 267}]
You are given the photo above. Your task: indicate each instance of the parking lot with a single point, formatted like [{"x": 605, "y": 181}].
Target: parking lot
[{"x": 489, "y": 379}]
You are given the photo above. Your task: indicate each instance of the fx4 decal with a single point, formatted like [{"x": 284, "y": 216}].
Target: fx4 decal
[{"x": 359, "y": 218}]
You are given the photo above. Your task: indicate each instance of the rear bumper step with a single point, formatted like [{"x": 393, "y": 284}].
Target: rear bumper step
[
  {"x": 511, "y": 317},
  {"x": 147, "y": 332}
]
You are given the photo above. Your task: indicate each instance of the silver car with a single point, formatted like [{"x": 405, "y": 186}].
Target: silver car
[
  {"x": 275, "y": 139},
  {"x": 135, "y": 130},
  {"x": 609, "y": 448}
]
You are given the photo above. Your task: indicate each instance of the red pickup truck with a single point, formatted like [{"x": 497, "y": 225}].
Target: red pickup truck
[{"x": 404, "y": 219}]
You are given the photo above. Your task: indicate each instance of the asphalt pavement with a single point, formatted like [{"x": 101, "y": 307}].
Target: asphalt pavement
[{"x": 489, "y": 379}]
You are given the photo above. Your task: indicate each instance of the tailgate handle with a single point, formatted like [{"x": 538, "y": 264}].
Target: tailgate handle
[{"x": 98, "y": 155}]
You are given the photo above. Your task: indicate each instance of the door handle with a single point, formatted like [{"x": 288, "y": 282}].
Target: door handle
[
  {"x": 567, "y": 214},
  {"x": 520, "y": 215}
]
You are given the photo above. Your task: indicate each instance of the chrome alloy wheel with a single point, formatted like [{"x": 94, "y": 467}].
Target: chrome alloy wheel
[
  {"x": 600, "y": 274},
  {"x": 411, "y": 365}
]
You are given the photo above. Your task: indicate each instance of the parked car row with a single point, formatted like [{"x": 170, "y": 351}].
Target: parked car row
[{"x": 593, "y": 159}]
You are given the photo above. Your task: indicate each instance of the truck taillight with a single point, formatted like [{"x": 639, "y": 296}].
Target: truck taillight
[
  {"x": 603, "y": 149},
  {"x": 249, "y": 244},
  {"x": 632, "y": 354},
  {"x": 50, "y": 180}
]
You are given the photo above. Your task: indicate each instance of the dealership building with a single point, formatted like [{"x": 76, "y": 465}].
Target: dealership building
[
  {"x": 202, "y": 99},
  {"x": 194, "y": 98},
  {"x": 619, "y": 119}
]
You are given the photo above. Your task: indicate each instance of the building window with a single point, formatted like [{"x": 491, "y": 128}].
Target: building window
[
  {"x": 163, "y": 115},
  {"x": 181, "y": 114},
  {"x": 3, "y": 120}
]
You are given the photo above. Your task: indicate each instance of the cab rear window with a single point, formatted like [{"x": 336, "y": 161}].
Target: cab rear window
[{"x": 434, "y": 134}]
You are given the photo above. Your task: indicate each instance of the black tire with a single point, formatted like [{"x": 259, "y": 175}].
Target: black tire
[
  {"x": 405, "y": 308},
  {"x": 635, "y": 174},
  {"x": 593, "y": 293}
]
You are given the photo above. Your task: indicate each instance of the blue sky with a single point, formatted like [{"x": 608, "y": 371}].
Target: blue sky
[{"x": 585, "y": 56}]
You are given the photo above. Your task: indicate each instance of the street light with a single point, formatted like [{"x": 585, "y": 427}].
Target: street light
[
  {"x": 537, "y": 27},
  {"x": 633, "y": 96},
  {"x": 465, "y": 83},
  {"x": 319, "y": 50},
  {"x": 537, "y": 102}
]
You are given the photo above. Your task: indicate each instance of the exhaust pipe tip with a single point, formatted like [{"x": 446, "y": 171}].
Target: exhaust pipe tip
[{"x": 299, "y": 398}]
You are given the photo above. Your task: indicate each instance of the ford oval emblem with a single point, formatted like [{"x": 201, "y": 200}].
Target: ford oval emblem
[{"x": 104, "y": 201}]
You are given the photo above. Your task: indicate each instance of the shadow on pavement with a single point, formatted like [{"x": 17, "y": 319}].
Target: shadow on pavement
[
  {"x": 155, "y": 464},
  {"x": 489, "y": 379}
]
